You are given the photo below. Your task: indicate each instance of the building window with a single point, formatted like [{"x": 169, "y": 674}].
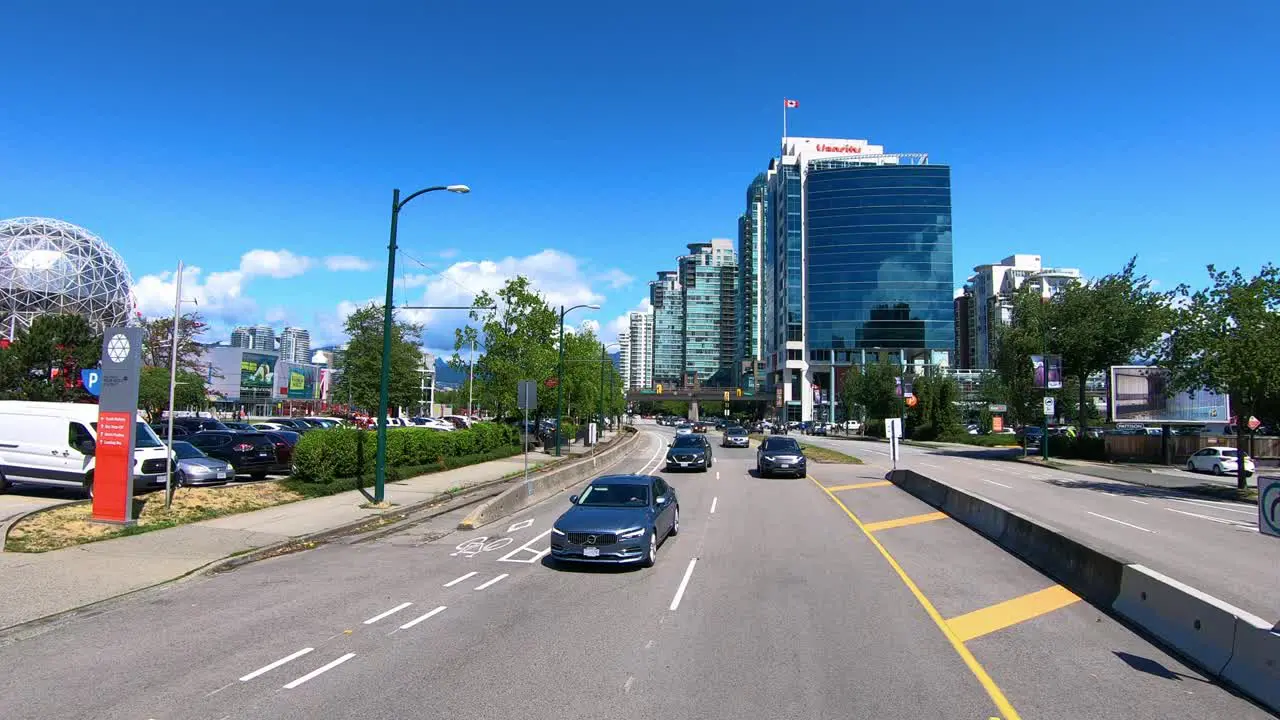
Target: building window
[{"x": 795, "y": 354}]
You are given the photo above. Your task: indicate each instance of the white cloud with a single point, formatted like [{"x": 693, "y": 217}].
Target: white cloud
[
  {"x": 623, "y": 321},
  {"x": 338, "y": 263},
  {"x": 448, "y": 253},
  {"x": 413, "y": 281},
  {"x": 273, "y": 263},
  {"x": 615, "y": 278}
]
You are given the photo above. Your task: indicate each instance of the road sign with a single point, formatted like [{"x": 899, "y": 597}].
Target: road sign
[
  {"x": 92, "y": 381},
  {"x": 117, "y": 417},
  {"x": 997, "y": 423},
  {"x": 1048, "y": 406},
  {"x": 997, "y": 408},
  {"x": 551, "y": 382},
  {"x": 911, "y": 401},
  {"x": 527, "y": 395},
  {"x": 1254, "y": 423},
  {"x": 1269, "y": 506},
  {"x": 893, "y": 431}
]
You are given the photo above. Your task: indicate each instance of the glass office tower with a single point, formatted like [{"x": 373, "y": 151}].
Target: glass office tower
[
  {"x": 749, "y": 299},
  {"x": 708, "y": 278},
  {"x": 668, "y": 328}
]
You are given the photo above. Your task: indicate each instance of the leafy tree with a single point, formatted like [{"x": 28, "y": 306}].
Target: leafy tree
[
  {"x": 153, "y": 391},
  {"x": 873, "y": 390},
  {"x": 361, "y": 371},
  {"x": 1015, "y": 343},
  {"x": 519, "y": 344},
  {"x": 158, "y": 341},
  {"x": 936, "y": 413},
  {"x": 1226, "y": 338},
  {"x": 44, "y": 361},
  {"x": 1101, "y": 323}
]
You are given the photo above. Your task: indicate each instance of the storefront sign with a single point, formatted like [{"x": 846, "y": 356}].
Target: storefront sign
[{"x": 117, "y": 415}]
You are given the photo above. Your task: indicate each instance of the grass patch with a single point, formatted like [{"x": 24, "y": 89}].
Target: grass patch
[
  {"x": 996, "y": 440},
  {"x": 827, "y": 455},
  {"x": 73, "y": 525},
  {"x": 1222, "y": 492}
]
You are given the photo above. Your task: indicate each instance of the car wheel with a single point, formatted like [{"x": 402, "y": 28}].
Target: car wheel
[
  {"x": 1217, "y": 469},
  {"x": 1191, "y": 467},
  {"x": 652, "y": 556},
  {"x": 675, "y": 523},
  {"x": 4, "y": 484},
  {"x": 88, "y": 486}
]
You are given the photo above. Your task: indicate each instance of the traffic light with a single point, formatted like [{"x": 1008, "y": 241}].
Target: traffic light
[
  {"x": 658, "y": 388},
  {"x": 726, "y": 396}
]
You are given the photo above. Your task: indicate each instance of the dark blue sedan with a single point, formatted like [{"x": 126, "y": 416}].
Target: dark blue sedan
[{"x": 617, "y": 519}]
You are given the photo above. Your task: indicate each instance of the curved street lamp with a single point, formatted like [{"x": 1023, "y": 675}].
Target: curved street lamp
[
  {"x": 384, "y": 386},
  {"x": 604, "y": 359},
  {"x": 560, "y": 370}
]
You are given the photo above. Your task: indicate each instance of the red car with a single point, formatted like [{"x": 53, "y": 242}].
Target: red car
[{"x": 284, "y": 440}]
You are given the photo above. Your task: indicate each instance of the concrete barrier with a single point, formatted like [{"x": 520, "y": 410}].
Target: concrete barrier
[
  {"x": 1199, "y": 626},
  {"x": 1228, "y": 643},
  {"x": 546, "y": 484},
  {"x": 1255, "y": 660}
]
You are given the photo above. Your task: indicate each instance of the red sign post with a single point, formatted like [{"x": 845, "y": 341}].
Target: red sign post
[{"x": 117, "y": 416}]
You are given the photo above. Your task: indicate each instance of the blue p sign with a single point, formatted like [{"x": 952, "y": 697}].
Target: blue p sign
[{"x": 92, "y": 380}]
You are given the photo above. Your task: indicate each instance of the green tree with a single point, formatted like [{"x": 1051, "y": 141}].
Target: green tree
[
  {"x": 1015, "y": 343},
  {"x": 936, "y": 413},
  {"x": 153, "y": 391},
  {"x": 361, "y": 371},
  {"x": 44, "y": 362},
  {"x": 1226, "y": 338},
  {"x": 1101, "y": 323},
  {"x": 157, "y": 341},
  {"x": 518, "y": 343}
]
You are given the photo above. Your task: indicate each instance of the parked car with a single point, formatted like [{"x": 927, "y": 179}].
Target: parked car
[
  {"x": 252, "y": 454},
  {"x": 196, "y": 468},
  {"x": 264, "y": 426},
  {"x": 617, "y": 519},
  {"x": 690, "y": 452},
  {"x": 780, "y": 455},
  {"x": 55, "y": 444},
  {"x": 239, "y": 426},
  {"x": 294, "y": 424},
  {"x": 195, "y": 424},
  {"x": 735, "y": 437},
  {"x": 326, "y": 422},
  {"x": 1219, "y": 461},
  {"x": 284, "y": 440},
  {"x": 162, "y": 430}
]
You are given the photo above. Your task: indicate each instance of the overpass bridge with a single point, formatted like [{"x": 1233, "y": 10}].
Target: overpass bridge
[{"x": 695, "y": 395}]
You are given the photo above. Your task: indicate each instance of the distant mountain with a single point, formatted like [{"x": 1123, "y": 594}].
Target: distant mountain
[{"x": 446, "y": 375}]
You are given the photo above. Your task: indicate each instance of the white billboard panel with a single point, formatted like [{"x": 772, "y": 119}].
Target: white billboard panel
[{"x": 1141, "y": 393}]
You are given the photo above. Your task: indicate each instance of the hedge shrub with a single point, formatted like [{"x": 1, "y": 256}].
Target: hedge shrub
[{"x": 322, "y": 455}]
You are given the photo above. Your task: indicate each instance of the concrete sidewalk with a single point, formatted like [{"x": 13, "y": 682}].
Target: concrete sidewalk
[{"x": 36, "y": 585}]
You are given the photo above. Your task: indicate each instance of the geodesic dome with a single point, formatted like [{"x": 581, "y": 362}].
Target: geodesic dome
[{"x": 51, "y": 266}]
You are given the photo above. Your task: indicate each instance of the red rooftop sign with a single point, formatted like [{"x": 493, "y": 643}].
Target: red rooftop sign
[{"x": 840, "y": 148}]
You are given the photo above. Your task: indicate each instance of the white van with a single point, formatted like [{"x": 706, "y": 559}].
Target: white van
[{"x": 47, "y": 443}]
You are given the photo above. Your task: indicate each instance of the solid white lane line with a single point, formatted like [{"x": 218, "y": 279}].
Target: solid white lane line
[
  {"x": 1211, "y": 518},
  {"x": 675, "y": 602},
  {"x": 993, "y": 482},
  {"x": 420, "y": 618},
  {"x": 1218, "y": 506},
  {"x": 392, "y": 611},
  {"x": 1140, "y": 502},
  {"x": 494, "y": 581},
  {"x": 644, "y": 469},
  {"x": 714, "y": 500},
  {"x": 455, "y": 581},
  {"x": 1135, "y": 527},
  {"x": 276, "y": 664},
  {"x": 929, "y": 464},
  {"x": 717, "y": 474},
  {"x": 319, "y": 671}
]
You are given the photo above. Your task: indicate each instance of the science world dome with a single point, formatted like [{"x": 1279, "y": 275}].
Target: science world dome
[{"x": 51, "y": 266}]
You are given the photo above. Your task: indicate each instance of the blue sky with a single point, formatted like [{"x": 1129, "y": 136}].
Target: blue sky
[{"x": 259, "y": 141}]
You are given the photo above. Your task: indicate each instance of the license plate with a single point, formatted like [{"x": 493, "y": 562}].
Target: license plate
[
  {"x": 785, "y": 465},
  {"x": 591, "y": 552},
  {"x": 222, "y": 476},
  {"x": 263, "y": 454},
  {"x": 684, "y": 464}
]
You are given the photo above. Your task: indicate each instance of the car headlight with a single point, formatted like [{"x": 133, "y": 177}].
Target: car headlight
[
  {"x": 557, "y": 531},
  {"x": 770, "y": 458},
  {"x": 195, "y": 469},
  {"x": 631, "y": 534}
]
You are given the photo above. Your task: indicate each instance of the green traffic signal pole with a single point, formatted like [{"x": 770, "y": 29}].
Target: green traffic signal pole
[
  {"x": 560, "y": 371},
  {"x": 388, "y": 313}
]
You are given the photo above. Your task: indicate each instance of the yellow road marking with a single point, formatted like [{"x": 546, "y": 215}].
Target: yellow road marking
[
  {"x": 902, "y": 522},
  {"x": 859, "y": 486},
  {"x": 1011, "y": 612},
  {"x": 993, "y": 691}
]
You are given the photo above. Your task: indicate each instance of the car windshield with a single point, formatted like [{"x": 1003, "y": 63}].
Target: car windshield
[
  {"x": 781, "y": 445},
  {"x": 735, "y": 432},
  {"x": 628, "y": 495},
  {"x": 187, "y": 451},
  {"x": 687, "y": 441}
]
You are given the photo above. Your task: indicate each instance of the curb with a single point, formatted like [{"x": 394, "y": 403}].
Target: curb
[
  {"x": 1230, "y": 644},
  {"x": 4, "y": 536},
  {"x": 519, "y": 497}
]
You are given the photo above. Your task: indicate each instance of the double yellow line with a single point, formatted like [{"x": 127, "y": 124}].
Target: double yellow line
[{"x": 997, "y": 695}]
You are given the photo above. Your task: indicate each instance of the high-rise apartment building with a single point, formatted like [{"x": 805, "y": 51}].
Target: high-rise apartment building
[
  {"x": 708, "y": 279},
  {"x": 242, "y": 337},
  {"x": 262, "y": 337},
  {"x": 992, "y": 288},
  {"x": 856, "y": 266},
  {"x": 636, "y": 354},
  {"x": 667, "y": 298},
  {"x": 965, "y": 357},
  {"x": 749, "y": 299},
  {"x": 295, "y": 345}
]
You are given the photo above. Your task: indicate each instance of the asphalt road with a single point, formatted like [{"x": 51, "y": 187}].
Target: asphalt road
[
  {"x": 773, "y": 602},
  {"x": 1211, "y": 545}
]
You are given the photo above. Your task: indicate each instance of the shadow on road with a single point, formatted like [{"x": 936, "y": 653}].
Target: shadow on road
[
  {"x": 1116, "y": 487},
  {"x": 44, "y": 491},
  {"x": 1152, "y": 667},
  {"x": 585, "y": 568}
]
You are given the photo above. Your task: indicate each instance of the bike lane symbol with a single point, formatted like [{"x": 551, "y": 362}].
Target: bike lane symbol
[{"x": 475, "y": 546}]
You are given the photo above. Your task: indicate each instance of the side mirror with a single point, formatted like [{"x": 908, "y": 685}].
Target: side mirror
[
  {"x": 87, "y": 447},
  {"x": 573, "y": 499},
  {"x": 662, "y": 500}
]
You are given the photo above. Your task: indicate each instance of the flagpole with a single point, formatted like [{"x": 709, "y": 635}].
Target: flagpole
[{"x": 784, "y": 125}]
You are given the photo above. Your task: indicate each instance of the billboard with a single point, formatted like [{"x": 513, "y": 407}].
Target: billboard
[
  {"x": 1047, "y": 371},
  {"x": 301, "y": 382},
  {"x": 257, "y": 371},
  {"x": 1141, "y": 393}
]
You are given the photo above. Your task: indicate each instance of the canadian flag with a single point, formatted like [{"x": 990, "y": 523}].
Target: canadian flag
[{"x": 790, "y": 103}]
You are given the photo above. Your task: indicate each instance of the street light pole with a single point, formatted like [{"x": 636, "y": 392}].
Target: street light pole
[
  {"x": 471, "y": 377},
  {"x": 173, "y": 382},
  {"x": 560, "y": 371},
  {"x": 388, "y": 313}
]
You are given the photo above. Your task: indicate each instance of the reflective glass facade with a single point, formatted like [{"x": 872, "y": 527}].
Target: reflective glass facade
[
  {"x": 708, "y": 276},
  {"x": 879, "y": 257},
  {"x": 748, "y": 303},
  {"x": 787, "y": 273},
  {"x": 668, "y": 328}
]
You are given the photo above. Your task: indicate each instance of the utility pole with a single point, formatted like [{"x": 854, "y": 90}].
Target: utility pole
[
  {"x": 471, "y": 376},
  {"x": 173, "y": 384}
]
